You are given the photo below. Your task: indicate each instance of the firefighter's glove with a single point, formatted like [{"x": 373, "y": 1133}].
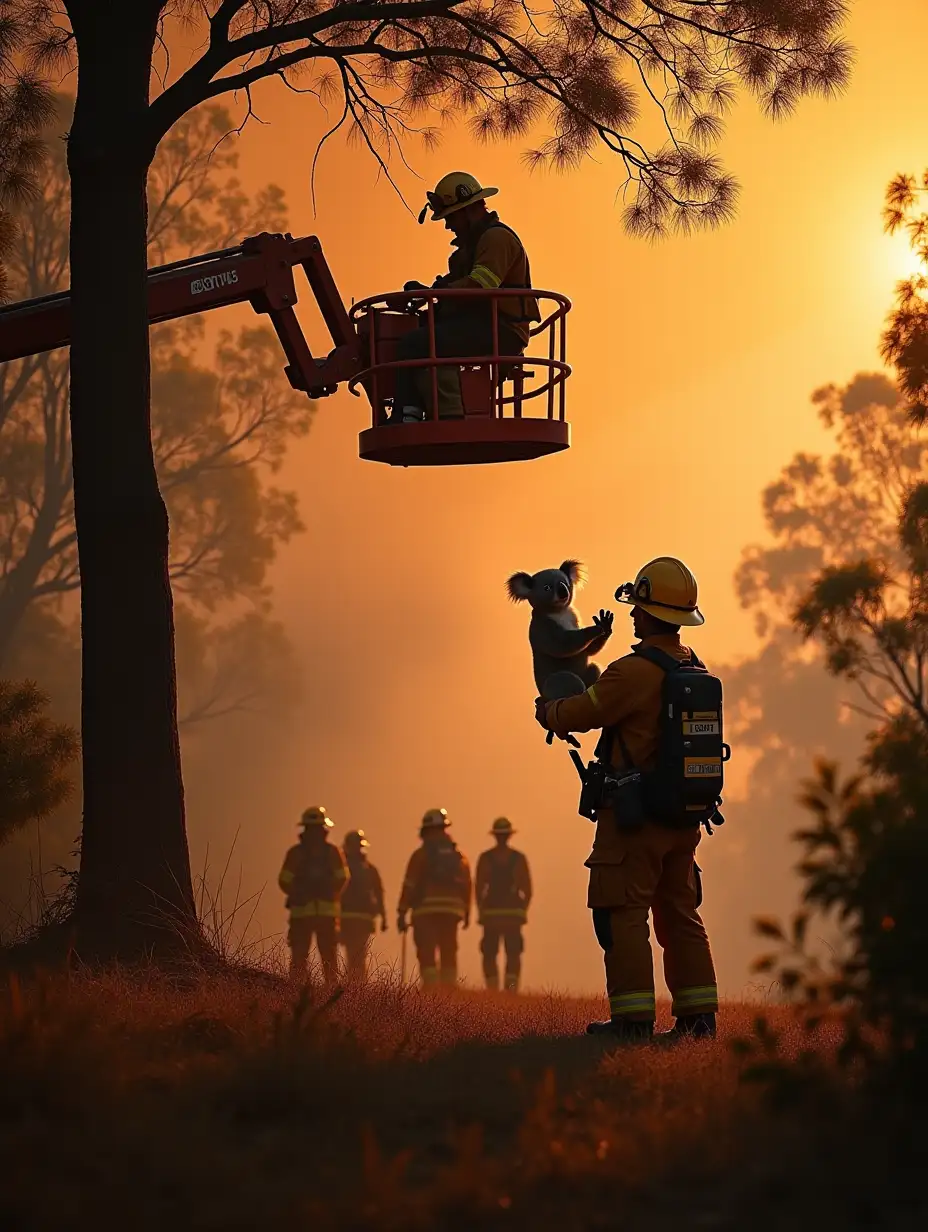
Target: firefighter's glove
[
  {"x": 413, "y": 285},
  {"x": 401, "y": 924},
  {"x": 541, "y": 707},
  {"x": 603, "y": 623}
]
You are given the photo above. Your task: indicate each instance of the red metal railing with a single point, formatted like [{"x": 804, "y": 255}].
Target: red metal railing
[{"x": 381, "y": 320}]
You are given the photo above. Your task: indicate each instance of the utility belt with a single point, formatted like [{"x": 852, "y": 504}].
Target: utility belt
[
  {"x": 630, "y": 795},
  {"x": 622, "y": 794}
]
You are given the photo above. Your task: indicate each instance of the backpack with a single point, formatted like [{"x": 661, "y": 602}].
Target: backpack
[
  {"x": 443, "y": 868},
  {"x": 685, "y": 786}
]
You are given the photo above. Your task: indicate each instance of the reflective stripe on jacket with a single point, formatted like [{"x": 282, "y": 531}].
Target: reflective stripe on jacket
[
  {"x": 320, "y": 907},
  {"x": 438, "y": 905}
]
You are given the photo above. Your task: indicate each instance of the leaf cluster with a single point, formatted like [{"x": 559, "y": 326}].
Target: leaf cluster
[
  {"x": 26, "y": 104},
  {"x": 581, "y": 74},
  {"x": 35, "y": 755},
  {"x": 905, "y": 338}
]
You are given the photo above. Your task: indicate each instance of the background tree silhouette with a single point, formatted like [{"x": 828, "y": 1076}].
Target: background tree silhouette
[
  {"x": 219, "y": 432},
  {"x": 864, "y": 853},
  {"x": 583, "y": 68}
]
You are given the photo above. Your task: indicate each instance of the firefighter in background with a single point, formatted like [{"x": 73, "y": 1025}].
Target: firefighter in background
[
  {"x": 504, "y": 891},
  {"x": 361, "y": 904},
  {"x": 313, "y": 878},
  {"x": 651, "y": 868},
  {"x": 438, "y": 890}
]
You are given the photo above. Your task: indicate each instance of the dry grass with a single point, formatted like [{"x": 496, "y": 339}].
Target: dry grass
[{"x": 228, "y": 1102}]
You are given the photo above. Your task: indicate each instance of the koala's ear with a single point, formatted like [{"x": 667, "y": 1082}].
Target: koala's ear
[
  {"x": 519, "y": 586},
  {"x": 575, "y": 572}
]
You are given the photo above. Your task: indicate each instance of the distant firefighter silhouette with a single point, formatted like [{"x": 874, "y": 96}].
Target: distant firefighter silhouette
[
  {"x": 504, "y": 891},
  {"x": 361, "y": 904},
  {"x": 313, "y": 878},
  {"x": 438, "y": 890},
  {"x": 558, "y": 642}
]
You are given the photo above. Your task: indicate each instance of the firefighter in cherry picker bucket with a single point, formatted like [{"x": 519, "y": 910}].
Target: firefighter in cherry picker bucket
[
  {"x": 660, "y": 754},
  {"x": 487, "y": 255}
]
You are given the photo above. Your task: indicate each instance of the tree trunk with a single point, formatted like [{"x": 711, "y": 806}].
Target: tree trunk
[{"x": 135, "y": 890}]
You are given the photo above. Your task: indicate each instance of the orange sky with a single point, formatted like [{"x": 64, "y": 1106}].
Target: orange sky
[{"x": 693, "y": 364}]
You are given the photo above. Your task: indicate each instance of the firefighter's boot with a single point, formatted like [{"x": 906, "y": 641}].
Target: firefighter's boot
[
  {"x": 690, "y": 1027},
  {"x": 512, "y": 983},
  {"x": 491, "y": 979},
  {"x": 623, "y": 1031}
]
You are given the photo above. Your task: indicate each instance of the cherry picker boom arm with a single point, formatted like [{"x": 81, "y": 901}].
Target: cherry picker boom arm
[{"x": 259, "y": 271}]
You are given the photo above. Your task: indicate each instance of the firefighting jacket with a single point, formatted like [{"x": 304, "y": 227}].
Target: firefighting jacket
[
  {"x": 363, "y": 897},
  {"x": 504, "y": 886},
  {"x": 313, "y": 878},
  {"x": 627, "y": 696},
  {"x": 437, "y": 882},
  {"x": 492, "y": 255}
]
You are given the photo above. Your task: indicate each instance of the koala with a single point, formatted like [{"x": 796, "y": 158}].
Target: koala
[{"x": 558, "y": 642}]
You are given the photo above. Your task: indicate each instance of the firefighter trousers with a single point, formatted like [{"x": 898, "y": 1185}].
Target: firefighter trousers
[
  {"x": 458, "y": 335},
  {"x": 356, "y": 937},
  {"x": 436, "y": 937},
  {"x": 303, "y": 930},
  {"x": 653, "y": 870},
  {"x": 507, "y": 933}
]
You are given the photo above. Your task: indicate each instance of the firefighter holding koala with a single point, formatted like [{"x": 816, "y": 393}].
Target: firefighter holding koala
[{"x": 651, "y": 811}]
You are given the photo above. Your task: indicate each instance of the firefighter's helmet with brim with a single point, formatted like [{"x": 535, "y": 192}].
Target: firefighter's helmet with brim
[
  {"x": 502, "y": 825},
  {"x": 453, "y": 192},
  {"x": 435, "y": 819},
  {"x": 316, "y": 816},
  {"x": 666, "y": 589},
  {"x": 356, "y": 840}
]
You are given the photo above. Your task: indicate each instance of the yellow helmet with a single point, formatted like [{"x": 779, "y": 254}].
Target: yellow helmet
[
  {"x": 435, "y": 819},
  {"x": 453, "y": 192},
  {"x": 316, "y": 816},
  {"x": 666, "y": 589},
  {"x": 502, "y": 825}
]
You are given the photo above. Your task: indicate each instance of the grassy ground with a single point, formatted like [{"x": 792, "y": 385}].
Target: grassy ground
[{"x": 227, "y": 1102}]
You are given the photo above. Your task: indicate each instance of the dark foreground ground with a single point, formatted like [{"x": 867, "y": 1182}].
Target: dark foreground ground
[{"x": 225, "y": 1103}]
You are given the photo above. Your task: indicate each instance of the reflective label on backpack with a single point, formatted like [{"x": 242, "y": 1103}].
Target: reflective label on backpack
[
  {"x": 701, "y": 727},
  {"x": 702, "y": 767}
]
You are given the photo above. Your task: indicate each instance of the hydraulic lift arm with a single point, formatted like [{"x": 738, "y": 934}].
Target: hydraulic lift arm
[{"x": 259, "y": 271}]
